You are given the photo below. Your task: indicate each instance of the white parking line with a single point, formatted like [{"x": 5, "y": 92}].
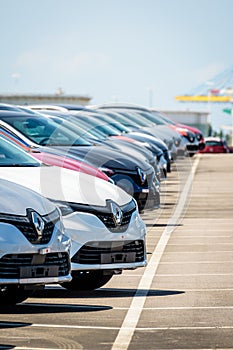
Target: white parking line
[
  {"x": 117, "y": 328},
  {"x": 186, "y": 274},
  {"x": 196, "y": 236},
  {"x": 193, "y": 274},
  {"x": 129, "y": 324},
  {"x": 184, "y": 328},
  {"x": 197, "y": 262},
  {"x": 199, "y": 244},
  {"x": 207, "y": 290},
  {"x": 200, "y": 252},
  {"x": 182, "y": 308},
  {"x": 73, "y": 326}
]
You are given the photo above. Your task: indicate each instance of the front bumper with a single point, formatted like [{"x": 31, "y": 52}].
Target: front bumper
[
  {"x": 95, "y": 247},
  {"x": 191, "y": 147},
  {"x": 22, "y": 262}
]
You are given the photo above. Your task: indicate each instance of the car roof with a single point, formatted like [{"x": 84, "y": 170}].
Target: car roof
[
  {"x": 213, "y": 138},
  {"x": 121, "y": 106}
]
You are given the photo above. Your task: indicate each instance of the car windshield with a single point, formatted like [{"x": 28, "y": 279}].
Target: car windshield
[
  {"x": 72, "y": 123},
  {"x": 9, "y": 108},
  {"x": 214, "y": 143},
  {"x": 140, "y": 121},
  {"x": 164, "y": 118},
  {"x": 98, "y": 125},
  {"x": 122, "y": 119},
  {"x": 11, "y": 155},
  {"x": 142, "y": 118},
  {"x": 117, "y": 126},
  {"x": 44, "y": 131},
  {"x": 153, "y": 117}
]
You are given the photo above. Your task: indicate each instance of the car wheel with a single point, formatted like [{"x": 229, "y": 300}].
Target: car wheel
[
  {"x": 13, "y": 294},
  {"x": 88, "y": 280}
]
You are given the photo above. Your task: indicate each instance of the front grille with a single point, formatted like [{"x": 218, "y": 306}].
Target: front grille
[
  {"x": 25, "y": 225},
  {"x": 108, "y": 220},
  {"x": 192, "y": 147},
  {"x": 136, "y": 178},
  {"x": 30, "y": 233},
  {"x": 96, "y": 252},
  {"x": 107, "y": 214},
  {"x": 11, "y": 264}
]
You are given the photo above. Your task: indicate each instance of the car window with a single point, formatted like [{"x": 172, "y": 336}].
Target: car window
[
  {"x": 11, "y": 155},
  {"x": 44, "y": 131},
  {"x": 214, "y": 143}
]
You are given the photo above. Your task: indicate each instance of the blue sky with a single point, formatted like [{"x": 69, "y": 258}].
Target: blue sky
[{"x": 137, "y": 51}]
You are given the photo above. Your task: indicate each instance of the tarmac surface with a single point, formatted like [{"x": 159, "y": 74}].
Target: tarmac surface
[{"x": 183, "y": 299}]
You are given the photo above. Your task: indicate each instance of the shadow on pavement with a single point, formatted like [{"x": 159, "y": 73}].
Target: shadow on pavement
[
  {"x": 40, "y": 307},
  {"x": 104, "y": 293},
  {"x": 13, "y": 325},
  {"x": 163, "y": 225}
]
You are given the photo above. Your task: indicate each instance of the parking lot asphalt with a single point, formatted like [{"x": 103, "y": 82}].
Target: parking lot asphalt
[{"x": 183, "y": 299}]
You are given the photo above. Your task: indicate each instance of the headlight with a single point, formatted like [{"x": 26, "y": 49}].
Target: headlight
[
  {"x": 190, "y": 136},
  {"x": 111, "y": 181},
  {"x": 64, "y": 208},
  {"x": 135, "y": 203},
  {"x": 107, "y": 171},
  {"x": 142, "y": 175}
]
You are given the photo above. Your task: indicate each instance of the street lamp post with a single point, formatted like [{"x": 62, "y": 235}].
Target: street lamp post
[
  {"x": 229, "y": 91},
  {"x": 210, "y": 84}
]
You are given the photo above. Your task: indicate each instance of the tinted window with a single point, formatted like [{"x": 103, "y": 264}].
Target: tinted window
[
  {"x": 214, "y": 143},
  {"x": 11, "y": 155},
  {"x": 44, "y": 131}
]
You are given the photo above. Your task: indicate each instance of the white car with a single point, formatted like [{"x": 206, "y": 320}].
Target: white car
[
  {"x": 102, "y": 220},
  {"x": 34, "y": 249}
]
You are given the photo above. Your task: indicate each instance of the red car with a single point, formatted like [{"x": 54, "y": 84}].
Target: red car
[
  {"x": 195, "y": 131},
  {"x": 215, "y": 145}
]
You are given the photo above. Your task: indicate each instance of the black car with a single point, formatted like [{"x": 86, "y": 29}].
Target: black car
[{"x": 136, "y": 177}]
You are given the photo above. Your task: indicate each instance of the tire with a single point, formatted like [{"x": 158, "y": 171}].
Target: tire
[
  {"x": 13, "y": 294},
  {"x": 87, "y": 280}
]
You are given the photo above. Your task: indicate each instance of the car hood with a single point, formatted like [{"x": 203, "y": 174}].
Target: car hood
[
  {"x": 103, "y": 156},
  {"x": 17, "y": 199},
  {"x": 66, "y": 185},
  {"x": 191, "y": 128},
  {"x": 149, "y": 139},
  {"x": 132, "y": 147},
  {"x": 69, "y": 163}
]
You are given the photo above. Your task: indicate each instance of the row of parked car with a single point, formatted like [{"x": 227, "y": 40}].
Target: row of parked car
[{"x": 74, "y": 181}]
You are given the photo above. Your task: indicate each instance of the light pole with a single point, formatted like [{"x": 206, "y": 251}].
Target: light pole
[
  {"x": 209, "y": 83},
  {"x": 229, "y": 91}
]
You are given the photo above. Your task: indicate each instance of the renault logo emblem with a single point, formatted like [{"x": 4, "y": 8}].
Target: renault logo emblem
[
  {"x": 116, "y": 213},
  {"x": 38, "y": 223}
]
